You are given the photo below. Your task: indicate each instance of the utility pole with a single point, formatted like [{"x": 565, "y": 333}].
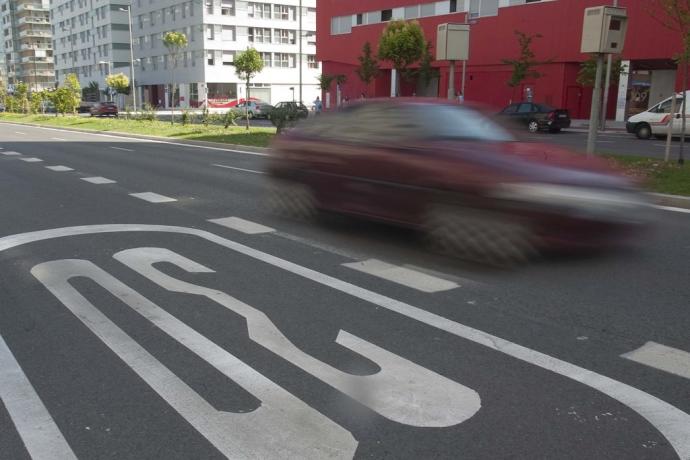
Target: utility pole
[
  {"x": 594, "y": 112},
  {"x": 299, "y": 13},
  {"x": 609, "y": 62},
  {"x": 131, "y": 56}
]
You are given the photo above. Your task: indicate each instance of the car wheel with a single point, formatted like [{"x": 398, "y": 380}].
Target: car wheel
[
  {"x": 479, "y": 236},
  {"x": 643, "y": 131},
  {"x": 533, "y": 126},
  {"x": 292, "y": 199}
]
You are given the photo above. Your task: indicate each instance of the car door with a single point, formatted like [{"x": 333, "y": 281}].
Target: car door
[{"x": 526, "y": 112}]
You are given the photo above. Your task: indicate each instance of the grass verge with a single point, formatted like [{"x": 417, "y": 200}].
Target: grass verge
[
  {"x": 656, "y": 175},
  {"x": 256, "y": 137}
]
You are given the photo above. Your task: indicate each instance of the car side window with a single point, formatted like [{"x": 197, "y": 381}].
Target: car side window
[
  {"x": 525, "y": 108},
  {"x": 512, "y": 108}
]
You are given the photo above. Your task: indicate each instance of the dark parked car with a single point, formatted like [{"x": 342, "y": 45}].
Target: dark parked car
[
  {"x": 104, "y": 109},
  {"x": 455, "y": 174},
  {"x": 85, "y": 107},
  {"x": 300, "y": 110},
  {"x": 537, "y": 116},
  {"x": 255, "y": 109}
]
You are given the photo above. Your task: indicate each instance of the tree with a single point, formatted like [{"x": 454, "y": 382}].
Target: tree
[
  {"x": 174, "y": 42},
  {"x": 368, "y": 68},
  {"x": 523, "y": 66},
  {"x": 425, "y": 72},
  {"x": 247, "y": 64},
  {"x": 37, "y": 100},
  {"x": 72, "y": 96},
  {"x": 119, "y": 82},
  {"x": 402, "y": 43},
  {"x": 325, "y": 81},
  {"x": 21, "y": 96},
  {"x": 675, "y": 15},
  {"x": 588, "y": 70}
]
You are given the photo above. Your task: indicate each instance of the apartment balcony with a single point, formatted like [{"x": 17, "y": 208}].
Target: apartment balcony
[
  {"x": 35, "y": 33},
  {"x": 38, "y": 60},
  {"x": 31, "y": 20},
  {"x": 36, "y": 46},
  {"x": 29, "y": 7}
]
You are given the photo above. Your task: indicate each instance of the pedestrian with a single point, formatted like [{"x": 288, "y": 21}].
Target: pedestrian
[
  {"x": 317, "y": 105},
  {"x": 461, "y": 97}
]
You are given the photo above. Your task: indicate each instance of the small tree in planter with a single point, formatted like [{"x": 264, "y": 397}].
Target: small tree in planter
[
  {"x": 118, "y": 82},
  {"x": 524, "y": 65},
  {"x": 368, "y": 68},
  {"x": 325, "y": 82},
  {"x": 174, "y": 42},
  {"x": 402, "y": 43}
]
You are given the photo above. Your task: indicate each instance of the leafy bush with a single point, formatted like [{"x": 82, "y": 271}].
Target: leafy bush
[
  {"x": 205, "y": 116},
  {"x": 284, "y": 117},
  {"x": 148, "y": 113},
  {"x": 185, "y": 117},
  {"x": 231, "y": 118}
]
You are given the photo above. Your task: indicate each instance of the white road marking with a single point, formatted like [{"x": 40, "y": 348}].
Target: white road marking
[
  {"x": 240, "y": 169},
  {"x": 661, "y": 357},
  {"x": 322, "y": 246},
  {"x": 152, "y": 197},
  {"x": 11, "y": 153},
  {"x": 98, "y": 180},
  {"x": 670, "y": 421},
  {"x": 599, "y": 141},
  {"x": 31, "y": 159},
  {"x": 19, "y": 132},
  {"x": 282, "y": 425},
  {"x": 401, "y": 275},
  {"x": 438, "y": 401},
  {"x": 241, "y": 225},
  {"x": 122, "y": 148},
  {"x": 58, "y": 139},
  {"x": 671, "y": 208},
  {"x": 59, "y": 168},
  {"x": 36, "y": 428}
]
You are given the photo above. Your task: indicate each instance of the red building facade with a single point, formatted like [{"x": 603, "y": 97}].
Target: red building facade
[{"x": 344, "y": 26}]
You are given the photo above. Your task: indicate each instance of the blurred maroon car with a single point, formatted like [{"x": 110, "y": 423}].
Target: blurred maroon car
[
  {"x": 455, "y": 173},
  {"x": 104, "y": 109}
]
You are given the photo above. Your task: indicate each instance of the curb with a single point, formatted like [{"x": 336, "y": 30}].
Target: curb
[
  {"x": 219, "y": 145},
  {"x": 676, "y": 201}
]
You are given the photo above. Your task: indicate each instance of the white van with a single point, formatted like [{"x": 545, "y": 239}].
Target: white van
[{"x": 654, "y": 122}]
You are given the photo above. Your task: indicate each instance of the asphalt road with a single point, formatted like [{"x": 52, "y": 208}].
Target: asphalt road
[{"x": 143, "y": 329}]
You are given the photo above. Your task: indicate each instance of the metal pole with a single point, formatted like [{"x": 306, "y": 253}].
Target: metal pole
[
  {"x": 669, "y": 129},
  {"x": 609, "y": 61},
  {"x": 451, "y": 81},
  {"x": 594, "y": 112},
  {"x": 462, "y": 87},
  {"x": 300, "y": 51},
  {"x": 131, "y": 58}
]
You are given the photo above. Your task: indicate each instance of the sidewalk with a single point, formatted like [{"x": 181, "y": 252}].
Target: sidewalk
[{"x": 611, "y": 125}]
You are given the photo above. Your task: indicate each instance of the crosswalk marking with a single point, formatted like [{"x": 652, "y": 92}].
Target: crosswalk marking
[
  {"x": 59, "y": 168},
  {"x": 152, "y": 197},
  {"x": 661, "y": 357},
  {"x": 41, "y": 437},
  {"x": 241, "y": 225},
  {"x": 31, "y": 159},
  {"x": 401, "y": 275},
  {"x": 98, "y": 180}
]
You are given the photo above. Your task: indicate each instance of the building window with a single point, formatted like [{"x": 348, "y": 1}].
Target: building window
[
  {"x": 228, "y": 57},
  {"x": 283, "y": 60},
  {"x": 227, "y": 7},
  {"x": 259, "y": 10},
  {"x": 266, "y": 57},
  {"x": 284, "y": 36},
  {"x": 386, "y": 15},
  {"x": 210, "y": 32},
  {"x": 282, "y": 12},
  {"x": 209, "y": 6},
  {"x": 341, "y": 25},
  {"x": 210, "y": 58},
  {"x": 311, "y": 61},
  {"x": 453, "y": 6},
  {"x": 228, "y": 33}
]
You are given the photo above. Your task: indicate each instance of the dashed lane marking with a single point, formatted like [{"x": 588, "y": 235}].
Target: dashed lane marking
[
  {"x": 672, "y": 209},
  {"x": 58, "y": 139},
  {"x": 31, "y": 159},
  {"x": 40, "y": 434},
  {"x": 19, "y": 132},
  {"x": 98, "y": 180},
  {"x": 661, "y": 357},
  {"x": 241, "y": 225},
  {"x": 240, "y": 169},
  {"x": 152, "y": 197},
  {"x": 401, "y": 275},
  {"x": 122, "y": 148},
  {"x": 11, "y": 153},
  {"x": 59, "y": 168}
]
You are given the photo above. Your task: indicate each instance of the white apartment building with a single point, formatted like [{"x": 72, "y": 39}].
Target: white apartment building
[
  {"x": 90, "y": 39},
  {"x": 26, "y": 44},
  {"x": 217, "y": 30}
]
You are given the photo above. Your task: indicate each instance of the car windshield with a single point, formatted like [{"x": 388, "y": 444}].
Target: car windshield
[{"x": 452, "y": 122}]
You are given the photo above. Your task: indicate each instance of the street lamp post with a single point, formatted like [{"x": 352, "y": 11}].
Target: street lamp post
[
  {"x": 35, "y": 76},
  {"x": 299, "y": 13},
  {"x": 128, "y": 8},
  {"x": 107, "y": 73}
]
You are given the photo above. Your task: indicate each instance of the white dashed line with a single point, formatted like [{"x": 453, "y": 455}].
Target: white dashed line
[
  {"x": 41, "y": 436},
  {"x": 401, "y": 275},
  {"x": 152, "y": 197},
  {"x": 19, "y": 132},
  {"x": 31, "y": 160},
  {"x": 58, "y": 139},
  {"x": 11, "y": 153},
  {"x": 122, "y": 148},
  {"x": 661, "y": 357},
  {"x": 59, "y": 168},
  {"x": 240, "y": 169},
  {"x": 98, "y": 180},
  {"x": 241, "y": 225}
]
